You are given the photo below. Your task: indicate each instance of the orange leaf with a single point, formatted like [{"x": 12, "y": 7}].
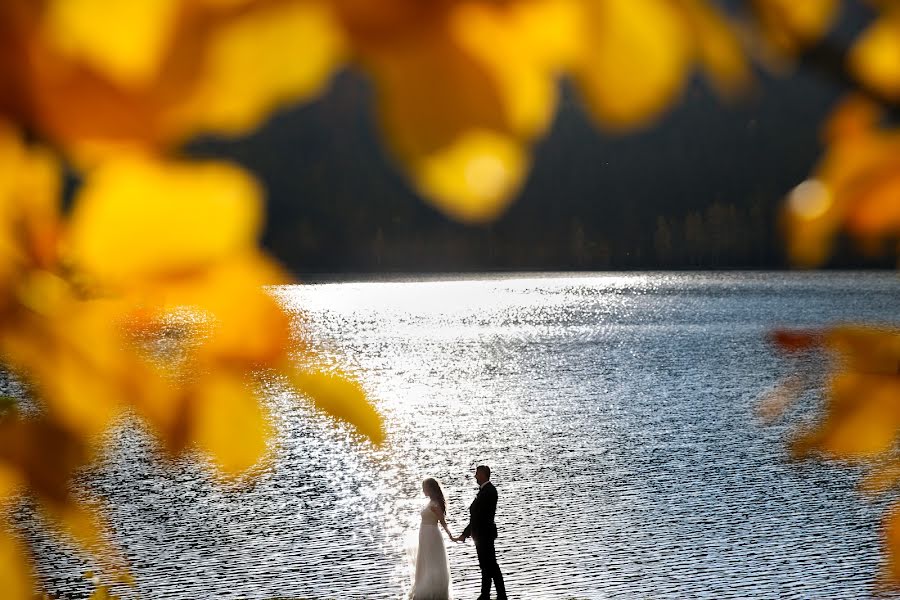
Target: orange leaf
[
  {"x": 636, "y": 59},
  {"x": 795, "y": 340},
  {"x": 863, "y": 417}
]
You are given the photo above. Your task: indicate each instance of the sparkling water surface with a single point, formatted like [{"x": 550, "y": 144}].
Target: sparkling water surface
[{"x": 616, "y": 411}]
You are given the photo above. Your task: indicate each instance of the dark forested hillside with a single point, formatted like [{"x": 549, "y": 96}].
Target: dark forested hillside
[{"x": 700, "y": 189}]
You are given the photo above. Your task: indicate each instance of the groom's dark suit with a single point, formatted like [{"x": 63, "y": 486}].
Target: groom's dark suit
[{"x": 483, "y": 530}]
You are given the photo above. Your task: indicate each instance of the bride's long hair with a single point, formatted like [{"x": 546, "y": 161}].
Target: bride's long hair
[{"x": 433, "y": 491}]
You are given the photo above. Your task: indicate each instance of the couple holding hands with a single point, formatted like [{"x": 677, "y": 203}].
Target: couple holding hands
[{"x": 432, "y": 575}]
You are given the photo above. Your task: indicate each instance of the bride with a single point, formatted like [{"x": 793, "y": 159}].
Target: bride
[{"x": 432, "y": 579}]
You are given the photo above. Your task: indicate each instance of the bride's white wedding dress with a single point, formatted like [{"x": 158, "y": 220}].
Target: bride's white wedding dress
[{"x": 432, "y": 578}]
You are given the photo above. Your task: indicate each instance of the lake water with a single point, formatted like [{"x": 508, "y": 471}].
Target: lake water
[{"x": 616, "y": 411}]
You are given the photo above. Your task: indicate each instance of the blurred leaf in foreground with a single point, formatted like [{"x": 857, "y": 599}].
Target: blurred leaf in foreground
[
  {"x": 861, "y": 412},
  {"x": 95, "y": 76},
  {"x": 340, "y": 397},
  {"x": 855, "y": 190},
  {"x": 146, "y": 239},
  {"x": 790, "y": 25}
]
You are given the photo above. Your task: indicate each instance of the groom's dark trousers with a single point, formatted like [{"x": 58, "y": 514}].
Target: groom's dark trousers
[
  {"x": 484, "y": 531},
  {"x": 487, "y": 561}
]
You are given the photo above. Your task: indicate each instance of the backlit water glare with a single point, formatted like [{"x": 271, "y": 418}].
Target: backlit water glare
[{"x": 616, "y": 411}]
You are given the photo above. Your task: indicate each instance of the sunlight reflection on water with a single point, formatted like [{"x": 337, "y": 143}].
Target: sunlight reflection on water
[{"x": 616, "y": 411}]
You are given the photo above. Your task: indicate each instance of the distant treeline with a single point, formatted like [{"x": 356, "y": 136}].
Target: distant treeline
[
  {"x": 723, "y": 236},
  {"x": 699, "y": 190}
]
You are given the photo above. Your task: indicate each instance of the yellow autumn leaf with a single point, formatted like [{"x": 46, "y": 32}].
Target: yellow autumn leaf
[
  {"x": 876, "y": 210},
  {"x": 717, "y": 46},
  {"x": 161, "y": 404},
  {"x": 223, "y": 3},
  {"x": 137, "y": 218},
  {"x": 475, "y": 178},
  {"x": 37, "y": 204},
  {"x": 30, "y": 184},
  {"x": 790, "y": 24},
  {"x": 341, "y": 397},
  {"x": 521, "y": 56},
  {"x": 875, "y": 56},
  {"x": 84, "y": 525},
  {"x": 74, "y": 379},
  {"x": 84, "y": 356},
  {"x": 811, "y": 220},
  {"x": 251, "y": 329},
  {"x": 855, "y": 116},
  {"x": 229, "y": 423},
  {"x": 863, "y": 417},
  {"x": 421, "y": 113},
  {"x": 866, "y": 349},
  {"x": 15, "y": 573},
  {"x": 635, "y": 61},
  {"x": 848, "y": 161},
  {"x": 550, "y": 31},
  {"x": 261, "y": 60},
  {"x": 455, "y": 133},
  {"x": 855, "y": 188},
  {"x": 124, "y": 40},
  {"x": 247, "y": 326}
]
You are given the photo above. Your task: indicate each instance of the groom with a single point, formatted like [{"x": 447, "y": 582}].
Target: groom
[{"x": 482, "y": 529}]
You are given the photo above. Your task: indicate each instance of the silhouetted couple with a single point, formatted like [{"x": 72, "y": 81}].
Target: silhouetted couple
[{"x": 432, "y": 577}]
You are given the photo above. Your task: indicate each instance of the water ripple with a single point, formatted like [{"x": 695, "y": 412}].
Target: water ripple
[{"x": 615, "y": 410}]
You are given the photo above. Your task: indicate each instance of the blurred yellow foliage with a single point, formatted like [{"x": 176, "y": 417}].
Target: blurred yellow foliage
[
  {"x": 861, "y": 419},
  {"x": 146, "y": 238},
  {"x": 72, "y": 71},
  {"x": 341, "y": 397},
  {"x": 17, "y": 577},
  {"x": 465, "y": 136},
  {"x": 876, "y": 55},
  {"x": 856, "y": 187},
  {"x": 789, "y": 25},
  {"x": 862, "y": 410},
  {"x": 137, "y": 219},
  {"x": 156, "y": 247}
]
